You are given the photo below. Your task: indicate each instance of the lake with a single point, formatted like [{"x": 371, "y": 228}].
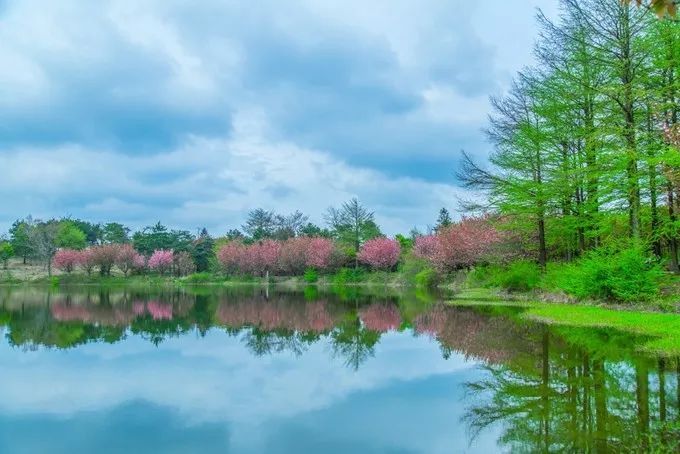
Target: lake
[{"x": 254, "y": 370}]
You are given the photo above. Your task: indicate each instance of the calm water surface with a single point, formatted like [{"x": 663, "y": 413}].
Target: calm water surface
[{"x": 278, "y": 371}]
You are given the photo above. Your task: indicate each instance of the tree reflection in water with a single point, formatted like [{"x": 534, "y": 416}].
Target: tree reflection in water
[{"x": 549, "y": 388}]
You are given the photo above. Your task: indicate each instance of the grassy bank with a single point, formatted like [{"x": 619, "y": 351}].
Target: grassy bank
[{"x": 660, "y": 332}]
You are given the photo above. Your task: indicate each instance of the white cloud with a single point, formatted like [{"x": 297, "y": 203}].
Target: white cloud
[{"x": 213, "y": 182}]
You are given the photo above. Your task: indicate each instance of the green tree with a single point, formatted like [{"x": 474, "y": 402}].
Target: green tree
[
  {"x": 113, "y": 232},
  {"x": 6, "y": 252},
  {"x": 69, "y": 236},
  {"x": 43, "y": 239},
  {"x": 159, "y": 237},
  {"x": 20, "y": 238},
  {"x": 260, "y": 224},
  {"x": 444, "y": 219},
  {"x": 202, "y": 251},
  {"x": 352, "y": 224}
]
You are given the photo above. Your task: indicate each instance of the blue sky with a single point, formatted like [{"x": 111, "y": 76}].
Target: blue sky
[{"x": 191, "y": 113}]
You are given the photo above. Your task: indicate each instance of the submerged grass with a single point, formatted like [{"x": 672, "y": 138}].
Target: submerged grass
[{"x": 660, "y": 332}]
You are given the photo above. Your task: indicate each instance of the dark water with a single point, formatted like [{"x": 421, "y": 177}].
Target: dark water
[{"x": 246, "y": 370}]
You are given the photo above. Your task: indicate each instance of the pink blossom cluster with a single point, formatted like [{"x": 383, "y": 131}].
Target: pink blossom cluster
[
  {"x": 380, "y": 253},
  {"x": 161, "y": 260},
  {"x": 66, "y": 260},
  {"x": 104, "y": 257},
  {"x": 290, "y": 257},
  {"x": 460, "y": 245}
]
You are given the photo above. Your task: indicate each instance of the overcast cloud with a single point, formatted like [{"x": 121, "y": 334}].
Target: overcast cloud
[{"x": 191, "y": 113}]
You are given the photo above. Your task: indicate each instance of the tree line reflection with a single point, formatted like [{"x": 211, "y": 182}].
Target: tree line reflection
[{"x": 549, "y": 388}]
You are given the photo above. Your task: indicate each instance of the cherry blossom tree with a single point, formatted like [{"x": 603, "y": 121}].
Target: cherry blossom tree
[
  {"x": 104, "y": 257},
  {"x": 380, "y": 253},
  {"x": 264, "y": 256},
  {"x": 161, "y": 260},
  {"x": 319, "y": 252},
  {"x": 86, "y": 260},
  {"x": 66, "y": 259},
  {"x": 467, "y": 242},
  {"x": 184, "y": 264},
  {"x": 231, "y": 257},
  {"x": 127, "y": 258},
  {"x": 293, "y": 255},
  {"x": 427, "y": 247}
]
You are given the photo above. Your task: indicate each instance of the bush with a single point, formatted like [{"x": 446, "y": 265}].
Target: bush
[
  {"x": 627, "y": 275},
  {"x": 427, "y": 278},
  {"x": 311, "y": 276},
  {"x": 199, "y": 278},
  {"x": 348, "y": 276},
  {"x": 521, "y": 276},
  {"x": 483, "y": 276}
]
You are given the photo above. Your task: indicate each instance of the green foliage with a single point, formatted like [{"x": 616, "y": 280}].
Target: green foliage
[
  {"x": 113, "y": 232},
  {"x": 311, "y": 275},
  {"x": 203, "y": 251},
  {"x": 20, "y": 238},
  {"x": 427, "y": 278},
  {"x": 93, "y": 232},
  {"x": 405, "y": 243},
  {"x": 6, "y": 252},
  {"x": 520, "y": 276},
  {"x": 444, "y": 219},
  {"x": 352, "y": 224},
  {"x": 418, "y": 271},
  {"x": 346, "y": 276},
  {"x": 483, "y": 276},
  {"x": 199, "y": 278},
  {"x": 626, "y": 275},
  {"x": 159, "y": 237},
  {"x": 70, "y": 236}
]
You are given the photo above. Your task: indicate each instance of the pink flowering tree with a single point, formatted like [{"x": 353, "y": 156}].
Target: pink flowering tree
[
  {"x": 66, "y": 260},
  {"x": 231, "y": 257},
  {"x": 319, "y": 253},
  {"x": 128, "y": 258},
  {"x": 427, "y": 247},
  {"x": 86, "y": 260},
  {"x": 161, "y": 260},
  {"x": 460, "y": 245},
  {"x": 104, "y": 257},
  {"x": 184, "y": 264},
  {"x": 380, "y": 253},
  {"x": 264, "y": 256},
  {"x": 293, "y": 255}
]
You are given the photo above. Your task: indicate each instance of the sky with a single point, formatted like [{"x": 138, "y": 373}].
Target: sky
[{"x": 193, "y": 113}]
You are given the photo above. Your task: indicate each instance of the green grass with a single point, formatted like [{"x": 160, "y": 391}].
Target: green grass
[{"x": 661, "y": 331}]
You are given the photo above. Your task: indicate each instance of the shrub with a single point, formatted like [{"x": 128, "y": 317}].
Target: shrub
[
  {"x": 627, "y": 275},
  {"x": 311, "y": 275},
  {"x": 348, "y": 276},
  {"x": 198, "y": 278},
  {"x": 427, "y": 278},
  {"x": 520, "y": 276}
]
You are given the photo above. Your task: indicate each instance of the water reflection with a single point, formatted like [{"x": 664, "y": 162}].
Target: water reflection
[{"x": 537, "y": 388}]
